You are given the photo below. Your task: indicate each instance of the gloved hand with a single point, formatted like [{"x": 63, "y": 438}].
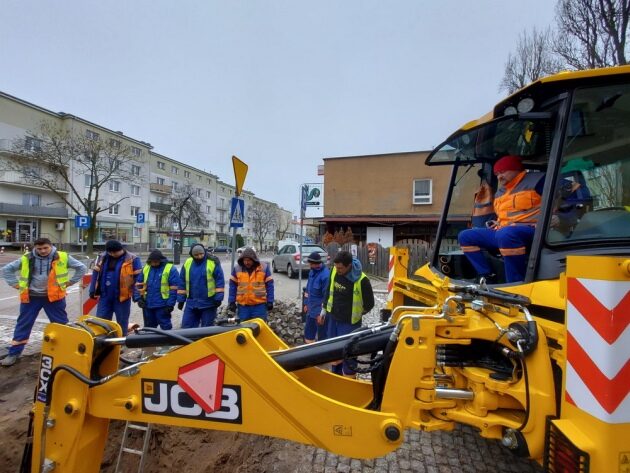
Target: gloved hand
[
  {"x": 92, "y": 295},
  {"x": 169, "y": 309},
  {"x": 141, "y": 303},
  {"x": 269, "y": 306},
  {"x": 180, "y": 305},
  {"x": 321, "y": 318},
  {"x": 232, "y": 307}
]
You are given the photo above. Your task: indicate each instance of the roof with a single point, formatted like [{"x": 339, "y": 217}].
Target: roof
[{"x": 384, "y": 219}]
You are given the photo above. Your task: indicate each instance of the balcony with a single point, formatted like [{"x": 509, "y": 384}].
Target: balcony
[
  {"x": 15, "y": 178},
  {"x": 157, "y": 207},
  {"x": 33, "y": 211},
  {"x": 160, "y": 188}
]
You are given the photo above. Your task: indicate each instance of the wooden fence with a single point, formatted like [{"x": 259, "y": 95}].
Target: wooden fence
[{"x": 377, "y": 264}]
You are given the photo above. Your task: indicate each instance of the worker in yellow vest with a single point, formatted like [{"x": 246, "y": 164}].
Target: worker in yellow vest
[
  {"x": 43, "y": 279},
  {"x": 157, "y": 288}
]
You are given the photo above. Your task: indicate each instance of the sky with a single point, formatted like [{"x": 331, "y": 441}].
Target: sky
[{"x": 280, "y": 84}]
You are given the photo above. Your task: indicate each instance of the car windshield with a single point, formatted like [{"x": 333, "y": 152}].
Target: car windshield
[{"x": 311, "y": 248}]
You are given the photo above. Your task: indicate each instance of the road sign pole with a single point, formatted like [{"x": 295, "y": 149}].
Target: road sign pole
[{"x": 302, "y": 208}]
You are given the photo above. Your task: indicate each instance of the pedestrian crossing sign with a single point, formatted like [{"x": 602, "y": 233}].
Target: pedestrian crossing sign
[{"x": 237, "y": 213}]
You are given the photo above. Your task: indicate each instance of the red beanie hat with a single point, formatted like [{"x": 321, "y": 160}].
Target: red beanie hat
[{"x": 508, "y": 163}]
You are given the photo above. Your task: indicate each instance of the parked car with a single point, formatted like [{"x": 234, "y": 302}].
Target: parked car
[
  {"x": 222, "y": 249},
  {"x": 242, "y": 248},
  {"x": 290, "y": 260}
]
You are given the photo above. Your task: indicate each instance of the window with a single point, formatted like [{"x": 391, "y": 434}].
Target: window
[
  {"x": 208, "y": 194},
  {"x": 114, "y": 209},
  {"x": 32, "y": 144},
  {"x": 160, "y": 165},
  {"x": 221, "y": 203},
  {"x": 199, "y": 177},
  {"x": 136, "y": 151},
  {"x": 174, "y": 169},
  {"x": 92, "y": 135},
  {"x": 114, "y": 186},
  {"x": 422, "y": 191},
  {"x": 206, "y": 223},
  {"x": 186, "y": 173},
  {"x": 114, "y": 163},
  {"x": 160, "y": 181},
  {"x": 135, "y": 190},
  {"x": 198, "y": 192},
  {"x": 159, "y": 221},
  {"x": 135, "y": 211},
  {"x": 88, "y": 180},
  {"x": 175, "y": 184},
  {"x": 114, "y": 143},
  {"x": 208, "y": 209},
  {"x": 136, "y": 232},
  {"x": 31, "y": 200},
  {"x": 135, "y": 169},
  {"x": 209, "y": 181},
  {"x": 222, "y": 189}
]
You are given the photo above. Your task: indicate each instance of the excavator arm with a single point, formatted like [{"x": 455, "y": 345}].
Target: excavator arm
[{"x": 463, "y": 360}]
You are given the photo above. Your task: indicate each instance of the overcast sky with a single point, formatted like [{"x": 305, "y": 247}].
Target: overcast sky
[{"x": 280, "y": 84}]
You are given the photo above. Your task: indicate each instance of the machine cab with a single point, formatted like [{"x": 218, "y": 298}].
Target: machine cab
[{"x": 574, "y": 128}]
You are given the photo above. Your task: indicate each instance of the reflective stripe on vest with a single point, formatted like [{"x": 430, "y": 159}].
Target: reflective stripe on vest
[
  {"x": 518, "y": 203},
  {"x": 57, "y": 278},
  {"x": 164, "y": 287},
  {"x": 251, "y": 288},
  {"x": 209, "y": 276},
  {"x": 357, "y": 297}
]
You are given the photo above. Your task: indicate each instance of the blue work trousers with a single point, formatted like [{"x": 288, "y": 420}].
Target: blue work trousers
[
  {"x": 195, "y": 317},
  {"x": 246, "y": 312},
  {"x": 56, "y": 312},
  {"x": 158, "y": 316},
  {"x": 108, "y": 306},
  {"x": 336, "y": 329},
  {"x": 513, "y": 243}
]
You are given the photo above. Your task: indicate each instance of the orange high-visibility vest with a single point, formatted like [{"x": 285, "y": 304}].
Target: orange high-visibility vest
[
  {"x": 127, "y": 277},
  {"x": 518, "y": 203},
  {"x": 250, "y": 288},
  {"x": 57, "y": 278}
]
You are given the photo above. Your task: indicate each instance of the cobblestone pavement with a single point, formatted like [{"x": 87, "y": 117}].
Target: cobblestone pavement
[{"x": 461, "y": 450}]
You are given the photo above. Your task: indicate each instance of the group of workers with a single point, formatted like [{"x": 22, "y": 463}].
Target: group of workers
[{"x": 119, "y": 277}]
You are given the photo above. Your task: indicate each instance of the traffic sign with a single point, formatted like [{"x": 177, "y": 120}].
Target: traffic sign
[
  {"x": 140, "y": 218},
  {"x": 203, "y": 381},
  {"x": 82, "y": 221},
  {"x": 240, "y": 171},
  {"x": 237, "y": 212}
]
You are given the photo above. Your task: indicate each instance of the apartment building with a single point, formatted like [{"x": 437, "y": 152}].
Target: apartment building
[
  {"x": 146, "y": 185},
  {"x": 29, "y": 210}
]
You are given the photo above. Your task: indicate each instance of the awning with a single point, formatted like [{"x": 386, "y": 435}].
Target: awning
[{"x": 393, "y": 220}]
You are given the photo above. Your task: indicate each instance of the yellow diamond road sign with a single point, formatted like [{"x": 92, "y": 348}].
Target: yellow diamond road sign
[{"x": 240, "y": 171}]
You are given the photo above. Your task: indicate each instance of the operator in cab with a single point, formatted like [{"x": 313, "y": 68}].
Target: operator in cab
[{"x": 517, "y": 208}]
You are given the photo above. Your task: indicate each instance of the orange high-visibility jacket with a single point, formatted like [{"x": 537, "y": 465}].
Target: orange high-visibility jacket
[{"x": 518, "y": 203}]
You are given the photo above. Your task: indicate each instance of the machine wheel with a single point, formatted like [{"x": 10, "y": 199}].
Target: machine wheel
[
  {"x": 273, "y": 267},
  {"x": 290, "y": 272}
]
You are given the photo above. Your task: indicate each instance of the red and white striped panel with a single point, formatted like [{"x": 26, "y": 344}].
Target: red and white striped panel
[
  {"x": 88, "y": 306},
  {"x": 390, "y": 280},
  {"x": 598, "y": 348}
]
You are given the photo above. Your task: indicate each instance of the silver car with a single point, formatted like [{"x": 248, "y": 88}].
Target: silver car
[{"x": 290, "y": 260}]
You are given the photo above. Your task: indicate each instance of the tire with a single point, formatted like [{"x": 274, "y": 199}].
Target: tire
[
  {"x": 290, "y": 272},
  {"x": 273, "y": 267}
]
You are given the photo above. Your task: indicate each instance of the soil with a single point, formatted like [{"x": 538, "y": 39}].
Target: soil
[{"x": 171, "y": 448}]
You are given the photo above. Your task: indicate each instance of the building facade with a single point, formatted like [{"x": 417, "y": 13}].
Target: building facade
[
  {"x": 385, "y": 198},
  {"x": 137, "y": 199}
]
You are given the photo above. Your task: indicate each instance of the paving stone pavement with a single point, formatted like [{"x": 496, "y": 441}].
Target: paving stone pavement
[{"x": 459, "y": 451}]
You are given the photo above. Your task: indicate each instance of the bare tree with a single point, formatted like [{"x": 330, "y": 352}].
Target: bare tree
[
  {"x": 265, "y": 221},
  {"x": 284, "y": 223},
  {"x": 58, "y": 160},
  {"x": 185, "y": 210},
  {"x": 592, "y": 33},
  {"x": 533, "y": 59}
]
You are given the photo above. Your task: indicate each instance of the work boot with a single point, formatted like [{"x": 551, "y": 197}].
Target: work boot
[{"x": 9, "y": 360}]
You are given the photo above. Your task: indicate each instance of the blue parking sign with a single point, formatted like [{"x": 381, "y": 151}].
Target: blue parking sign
[
  {"x": 140, "y": 218},
  {"x": 82, "y": 221}
]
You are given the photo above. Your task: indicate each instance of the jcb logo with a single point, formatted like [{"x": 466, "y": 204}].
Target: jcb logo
[
  {"x": 167, "y": 398},
  {"x": 45, "y": 370}
]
